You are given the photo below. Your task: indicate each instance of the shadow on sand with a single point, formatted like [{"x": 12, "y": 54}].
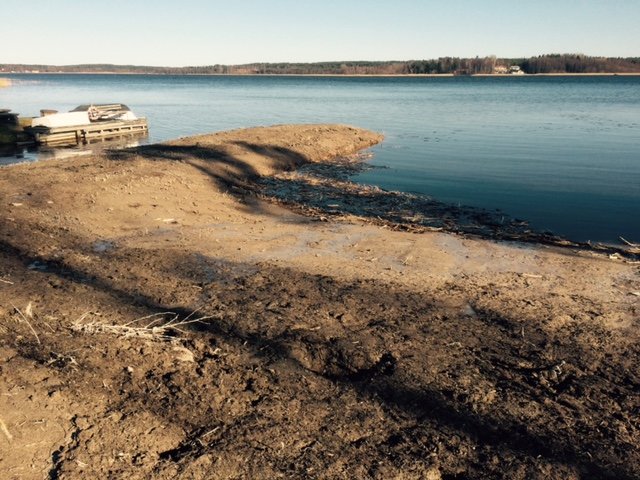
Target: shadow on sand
[
  {"x": 323, "y": 190},
  {"x": 426, "y": 365}
]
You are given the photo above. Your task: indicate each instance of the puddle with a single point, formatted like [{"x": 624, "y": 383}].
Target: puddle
[
  {"x": 102, "y": 246},
  {"x": 40, "y": 266}
]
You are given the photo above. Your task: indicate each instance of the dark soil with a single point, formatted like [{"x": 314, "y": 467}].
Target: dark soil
[{"x": 475, "y": 361}]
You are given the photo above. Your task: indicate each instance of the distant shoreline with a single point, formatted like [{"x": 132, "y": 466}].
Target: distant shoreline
[
  {"x": 334, "y": 75},
  {"x": 436, "y": 67}
]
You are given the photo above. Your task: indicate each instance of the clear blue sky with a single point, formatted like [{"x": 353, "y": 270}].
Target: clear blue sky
[{"x": 199, "y": 32}]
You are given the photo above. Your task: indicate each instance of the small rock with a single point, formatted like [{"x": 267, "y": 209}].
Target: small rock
[
  {"x": 184, "y": 354},
  {"x": 433, "y": 474},
  {"x": 55, "y": 395},
  {"x": 116, "y": 417},
  {"x": 82, "y": 423},
  {"x": 469, "y": 311}
]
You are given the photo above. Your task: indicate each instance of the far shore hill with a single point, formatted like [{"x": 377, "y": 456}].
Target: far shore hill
[{"x": 556, "y": 64}]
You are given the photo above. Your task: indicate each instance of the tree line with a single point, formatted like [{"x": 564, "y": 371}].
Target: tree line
[
  {"x": 579, "y": 64},
  {"x": 554, "y": 63}
]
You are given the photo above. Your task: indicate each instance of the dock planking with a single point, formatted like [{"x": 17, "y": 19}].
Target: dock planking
[{"x": 85, "y": 133}]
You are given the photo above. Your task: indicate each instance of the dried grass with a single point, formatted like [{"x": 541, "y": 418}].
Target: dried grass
[
  {"x": 5, "y": 430},
  {"x": 159, "y": 326},
  {"x": 28, "y": 314}
]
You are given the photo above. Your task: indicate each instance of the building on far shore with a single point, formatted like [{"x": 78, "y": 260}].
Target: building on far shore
[
  {"x": 500, "y": 70},
  {"x": 515, "y": 70}
]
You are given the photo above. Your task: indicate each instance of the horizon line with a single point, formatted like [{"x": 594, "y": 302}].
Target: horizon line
[{"x": 111, "y": 64}]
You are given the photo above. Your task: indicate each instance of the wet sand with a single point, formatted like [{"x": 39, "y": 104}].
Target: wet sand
[{"x": 305, "y": 339}]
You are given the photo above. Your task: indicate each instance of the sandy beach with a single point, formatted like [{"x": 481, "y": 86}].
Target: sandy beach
[{"x": 164, "y": 314}]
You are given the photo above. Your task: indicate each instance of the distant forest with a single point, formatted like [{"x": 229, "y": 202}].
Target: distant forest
[{"x": 556, "y": 63}]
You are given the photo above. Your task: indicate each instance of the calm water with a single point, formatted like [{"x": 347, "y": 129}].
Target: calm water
[{"x": 561, "y": 152}]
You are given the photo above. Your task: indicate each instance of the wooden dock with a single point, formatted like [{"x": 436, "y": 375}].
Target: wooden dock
[{"x": 85, "y": 133}]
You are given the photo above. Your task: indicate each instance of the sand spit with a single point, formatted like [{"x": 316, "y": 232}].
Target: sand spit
[{"x": 161, "y": 317}]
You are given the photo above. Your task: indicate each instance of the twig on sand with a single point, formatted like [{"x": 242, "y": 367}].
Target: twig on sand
[
  {"x": 6, "y": 281},
  {"x": 29, "y": 313},
  {"x": 156, "y": 326},
  {"x": 5, "y": 430},
  {"x": 627, "y": 242},
  {"x": 531, "y": 275}
]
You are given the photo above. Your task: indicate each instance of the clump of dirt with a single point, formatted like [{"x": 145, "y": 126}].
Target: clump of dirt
[{"x": 158, "y": 320}]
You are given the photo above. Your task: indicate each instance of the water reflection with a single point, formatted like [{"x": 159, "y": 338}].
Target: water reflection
[{"x": 12, "y": 154}]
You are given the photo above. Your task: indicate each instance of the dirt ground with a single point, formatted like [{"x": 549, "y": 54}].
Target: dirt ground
[{"x": 161, "y": 318}]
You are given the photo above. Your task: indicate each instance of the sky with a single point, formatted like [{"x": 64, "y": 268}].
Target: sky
[{"x": 199, "y": 32}]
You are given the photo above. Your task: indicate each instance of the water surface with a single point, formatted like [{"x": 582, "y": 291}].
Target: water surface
[{"x": 560, "y": 152}]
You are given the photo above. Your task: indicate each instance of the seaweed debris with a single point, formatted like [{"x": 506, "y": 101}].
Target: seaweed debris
[{"x": 324, "y": 190}]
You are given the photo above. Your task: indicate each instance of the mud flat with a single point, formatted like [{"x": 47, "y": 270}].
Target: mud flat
[{"x": 163, "y": 315}]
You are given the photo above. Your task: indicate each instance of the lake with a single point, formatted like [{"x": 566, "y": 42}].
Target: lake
[{"x": 560, "y": 152}]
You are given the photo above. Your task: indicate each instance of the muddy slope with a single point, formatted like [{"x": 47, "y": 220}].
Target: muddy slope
[{"x": 159, "y": 321}]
